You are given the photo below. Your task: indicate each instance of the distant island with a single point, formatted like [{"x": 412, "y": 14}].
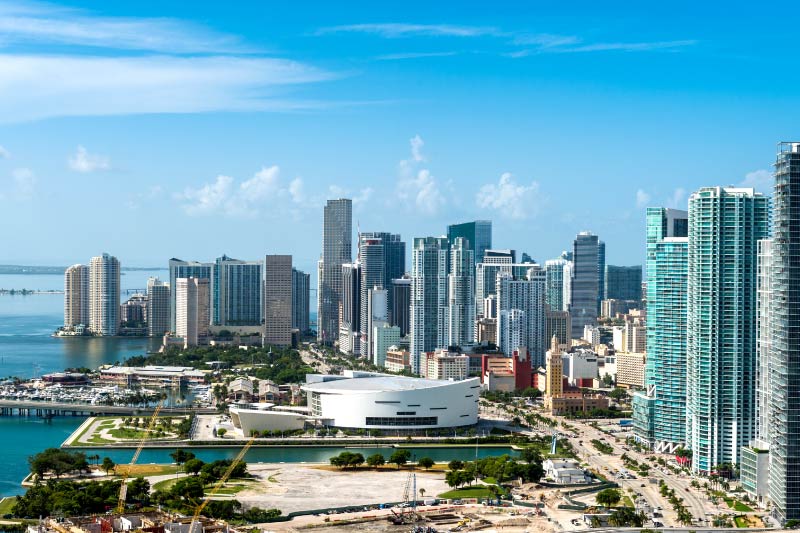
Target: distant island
[{"x": 56, "y": 270}]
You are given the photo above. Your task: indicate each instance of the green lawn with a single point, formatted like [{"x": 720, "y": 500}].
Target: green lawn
[
  {"x": 738, "y": 506},
  {"x": 627, "y": 502},
  {"x": 741, "y": 521},
  {"x": 165, "y": 484},
  {"x": 6, "y": 505},
  {"x": 478, "y": 491}
]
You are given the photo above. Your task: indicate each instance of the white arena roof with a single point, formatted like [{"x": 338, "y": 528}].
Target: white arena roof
[{"x": 375, "y": 384}]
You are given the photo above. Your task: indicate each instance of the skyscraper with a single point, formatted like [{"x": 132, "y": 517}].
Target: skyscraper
[
  {"x": 527, "y": 295},
  {"x": 623, "y": 283},
  {"x": 184, "y": 269},
  {"x": 157, "y": 307},
  {"x": 193, "y": 310},
  {"x": 76, "y": 296},
  {"x": 337, "y": 249},
  {"x": 725, "y": 225},
  {"x": 428, "y": 296},
  {"x": 350, "y": 305},
  {"x": 784, "y": 350},
  {"x": 554, "y": 274},
  {"x": 494, "y": 261},
  {"x": 104, "y": 295},
  {"x": 460, "y": 295},
  {"x": 382, "y": 256},
  {"x": 278, "y": 300},
  {"x": 585, "y": 298},
  {"x": 659, "y": 414},
  {"x": 478, "y": 235},
  {"x": 301, "y": 290},
  {"x": 236, "y": 290},
  {"x": 400, "y": 312}
]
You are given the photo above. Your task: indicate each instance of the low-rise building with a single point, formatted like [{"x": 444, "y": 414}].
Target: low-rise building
[
  {"x": 580, "y": 367},
  {"x": 565, "y": 472},
  {"x": 443, "y": 364},
  {"x": 507, "y": 374},
  {"x": 154, "y": 374},
  {"x": 630, "y": 370},
  {"x": 398, "y": 360},
  {"x": 261, "y": 417}
]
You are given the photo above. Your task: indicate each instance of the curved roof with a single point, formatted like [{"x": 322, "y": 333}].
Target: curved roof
[{"x": 377, "y": 384}]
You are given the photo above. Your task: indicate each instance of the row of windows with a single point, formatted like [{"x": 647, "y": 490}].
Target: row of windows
[{"x": 402, "y": 421}]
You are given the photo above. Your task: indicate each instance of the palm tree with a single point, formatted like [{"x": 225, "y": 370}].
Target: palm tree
[{"x": 422, "y": 493}]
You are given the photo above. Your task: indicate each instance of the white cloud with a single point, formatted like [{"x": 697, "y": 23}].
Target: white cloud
[
  {"x": 642, "y": 199},
  {"x": 678, "y": 199},
  {"x": 396, "y": 29},
  {"x": 417, "y": 188},
  {"x": 208, "y": 199},
  {"x": 85, "y": 162},
  {"x": 42, "y": 23},
  {"x": 416, "y": 148},
  {"x": 414, "y": 55},
  {"x": 37, "y": 86},
  {"x": 4, "y": 154},
  {"x": 546, "y": 40},
  {"x": 761, "y": 180},
  {"x": 509, "y": 198},
  {"x": 24, "y": 182}
]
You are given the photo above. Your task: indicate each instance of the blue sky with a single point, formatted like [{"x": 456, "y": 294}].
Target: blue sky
[{"x": 151, "y": 131}]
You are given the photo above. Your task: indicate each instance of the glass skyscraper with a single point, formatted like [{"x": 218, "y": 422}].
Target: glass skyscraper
[
  {"x": 337, "y": 249},
  {"x": 461, "y": 295},
  {"x": 623, "y": 282},
  {"x": 725, "y": 225},
  {"x": 554, "y": 272},
  {"x": 236, "y": 290},
  {"x": 588, "y": 260},
  {"x": 659, "y": 413},
  {"x": 478, "y": 235},
  {"x": 784, "y": 326}
]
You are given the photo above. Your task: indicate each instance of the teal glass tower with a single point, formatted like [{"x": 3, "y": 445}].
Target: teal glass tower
[
  {"x": 725, "y": 225},
  {"x": 659, "y": 412}
]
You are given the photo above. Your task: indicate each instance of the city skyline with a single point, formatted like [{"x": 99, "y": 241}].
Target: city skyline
[{"x": 386, "y": 107}]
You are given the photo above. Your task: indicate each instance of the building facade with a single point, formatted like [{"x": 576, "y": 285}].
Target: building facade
[
  {"x": 659, "y": 413},
  {"x": 460, "y": 295},
  {"x": 554, "y": 273},
  {"x": 184, "y": 269},
  {"x": 585, "y": 283},
  {"x": 350, "y": 309},
  {"x": 528, "y": 296},
  {"x": 400, "y": 311},
  {"x": 104, "y": 295},
  {"x": 236, "y": 290},
  {"x": 428, "y": 296},
  {"x": 278, "y": 300},
  {"x": 157, "y": 307},
  {"x": 76, "y": 296},
  {"x": 193, "y": 301},
  {"x": 478, "y": 235},
  {"x": 301, "y": 292},
  {"x": 337, "y": 249},
  {"x": 725, "y": 225},
  {"x": 623, "y": 283},
  {"x": 494, "y": 261}
]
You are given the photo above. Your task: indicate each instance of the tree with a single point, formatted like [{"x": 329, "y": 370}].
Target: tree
[
  {"x": 180, "y": 456},
  {"x": 453, "y": 479},
  {"x": 531, "y": 455},
  {"x": 138, "y": 491},
  {"x": 608, "y": 497},
  {"x": 400, "y": 457},
  {"x": 58, "y": 462},
  {"x": 426, "y": 462},
  {"x": 221, "y": 432},
  {"x": 375, "y": 460},
  {"x": 626, "y": 517},
  {"x": 193, "y": 466},
  {"x": 421, "y": 492},
  {"x": 455, "y": 464},
  {"x": 108, "y": 465},
  {"x": 618, "y": 394}
]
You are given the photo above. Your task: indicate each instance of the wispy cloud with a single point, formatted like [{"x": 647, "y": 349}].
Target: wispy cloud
[
  {"x": 37, "y": 23},
  {"x": 36, "y": 87},
  {"x": 678, "y": 199},
  {"x": 509, "y": 198},
  {"x": 572, "y": 45},
  {"x": 414, "y": 55},
  {"x": 24, "y": 183},
  {"x": 642, "y": 199},
  {"x": 4, "y": 154},
  {"x": 84, "y": 162},
  {"x": 761, "y": 180},
  {"x": 417, "y": 188},
  {"x": 398, "y": 29}
]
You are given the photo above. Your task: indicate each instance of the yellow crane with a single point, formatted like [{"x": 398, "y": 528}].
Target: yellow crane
[
  {"x": 123, "y": 489},
  {"x": 222, "y": 480}
]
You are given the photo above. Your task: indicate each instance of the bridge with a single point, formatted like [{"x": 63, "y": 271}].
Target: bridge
[{"x": 50, "y": 409}]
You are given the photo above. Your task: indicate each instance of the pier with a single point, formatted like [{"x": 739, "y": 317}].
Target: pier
[{"x": 51, "y": 409}]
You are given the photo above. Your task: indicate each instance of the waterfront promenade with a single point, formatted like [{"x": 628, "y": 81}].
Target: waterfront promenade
[{"x": 48, "y": 409}]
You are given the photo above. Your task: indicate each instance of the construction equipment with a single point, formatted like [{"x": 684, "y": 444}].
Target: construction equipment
[
  {"x": 123, "y": 489},
  {"x": 222, "y": 480}
]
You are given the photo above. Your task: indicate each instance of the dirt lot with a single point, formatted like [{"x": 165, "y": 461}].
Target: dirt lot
[{"x": 296, "y": 487}]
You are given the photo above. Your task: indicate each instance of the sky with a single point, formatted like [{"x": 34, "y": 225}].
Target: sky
[{"x": 151, "y": 130}]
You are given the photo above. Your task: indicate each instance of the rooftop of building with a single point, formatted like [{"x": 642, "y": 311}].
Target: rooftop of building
[{"x": 375, "y": 383}]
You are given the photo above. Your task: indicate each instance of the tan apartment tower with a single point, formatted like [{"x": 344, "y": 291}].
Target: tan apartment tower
[
  {"x": 76, "y": 296},
  {"x": 192, "y": 314}
]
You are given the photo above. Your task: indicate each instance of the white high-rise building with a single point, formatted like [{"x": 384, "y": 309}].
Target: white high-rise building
[
  {"x": 76, "y": 296},
  {"x": 384, "y": 337},
  {"x": 461, "y": 296},
  {"x": 428, "y": 296},
  {"x": 193, "y": 310},
  {"x": 527, "y": 295},
  {"x": 377, "y": 316},
  {"x": 494, "y": 261},
  {"x": 104, "y": 295},
  {"x": 511, "y": 330}
]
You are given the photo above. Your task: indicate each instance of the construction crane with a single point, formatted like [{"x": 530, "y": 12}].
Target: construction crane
[
  {"x": 123, "y": 489},
  {"x": 221, "y": 481}
]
